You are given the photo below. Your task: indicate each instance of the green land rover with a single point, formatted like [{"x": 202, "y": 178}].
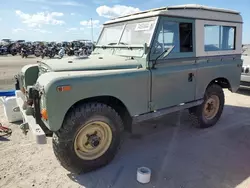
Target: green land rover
[{"x": 144, "y": 65}]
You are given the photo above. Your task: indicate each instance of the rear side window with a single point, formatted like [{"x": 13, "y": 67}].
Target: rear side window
[{"x": 219, "y": 38}]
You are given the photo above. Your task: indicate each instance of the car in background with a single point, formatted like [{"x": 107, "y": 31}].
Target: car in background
[{"x": 245, "y": 72}]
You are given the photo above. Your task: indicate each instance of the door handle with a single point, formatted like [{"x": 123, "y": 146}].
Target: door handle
[{"x": 190, "y": 77}]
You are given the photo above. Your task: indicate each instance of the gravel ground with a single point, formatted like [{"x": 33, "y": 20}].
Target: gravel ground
[{"x": 178, "y": 154}]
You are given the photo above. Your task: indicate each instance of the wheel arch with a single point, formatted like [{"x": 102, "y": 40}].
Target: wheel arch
[
  {"x": 114, "y": 103},
  {"x": 222, "y": 82}
]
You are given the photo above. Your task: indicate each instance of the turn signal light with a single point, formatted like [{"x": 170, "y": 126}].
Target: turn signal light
[
  {"x": 63, "y": 88},
  {"x": 44, "y": 114}
]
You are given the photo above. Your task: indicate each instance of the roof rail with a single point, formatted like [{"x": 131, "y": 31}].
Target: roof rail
[
  {"x": 141, "y": 12},
  {"x": 186, "y": 6}
]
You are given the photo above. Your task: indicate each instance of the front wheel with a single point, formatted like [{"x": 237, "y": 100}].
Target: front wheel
[
  {"x": 89, "y": 137},
  {"x": 209, "y": 112}
]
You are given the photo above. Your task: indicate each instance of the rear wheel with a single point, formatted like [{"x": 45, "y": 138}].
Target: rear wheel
[
  {"x": 89, "y": 137},
  {"x": 209, "y": 112}
]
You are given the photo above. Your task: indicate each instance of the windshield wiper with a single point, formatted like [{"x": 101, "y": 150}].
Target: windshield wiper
[
  {"x": 166, "y": 52},
  {"x": 112, "y": 43},
  {"x": 123, "y": 43}
]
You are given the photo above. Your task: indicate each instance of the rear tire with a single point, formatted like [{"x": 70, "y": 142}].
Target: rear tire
[
  {"x": 209, "y": 112},
  {"x": 89, "y": 137}
]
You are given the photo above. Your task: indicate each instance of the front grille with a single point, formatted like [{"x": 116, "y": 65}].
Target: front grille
[
  {"x": 243, "y": 83},
  {"x": 36, "y": 102}
]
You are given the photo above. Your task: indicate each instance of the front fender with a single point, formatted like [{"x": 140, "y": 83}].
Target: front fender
[{"x": 130, "y": 86}]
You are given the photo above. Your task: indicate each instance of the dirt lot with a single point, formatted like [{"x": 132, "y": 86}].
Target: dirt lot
[{"x": 178, "y": 154}]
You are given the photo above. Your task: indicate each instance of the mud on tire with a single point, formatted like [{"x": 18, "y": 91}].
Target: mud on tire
[
  {"x": 64, "y": 140},
  {"x": 198, "y": 114}
]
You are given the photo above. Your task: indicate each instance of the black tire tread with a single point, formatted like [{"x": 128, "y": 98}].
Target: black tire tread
[
  {"x": 64, "y": 135},
  {"x": 195, "y": 113}
]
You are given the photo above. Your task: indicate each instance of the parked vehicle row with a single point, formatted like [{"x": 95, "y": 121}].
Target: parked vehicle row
[{"x": 49, "y": 50}]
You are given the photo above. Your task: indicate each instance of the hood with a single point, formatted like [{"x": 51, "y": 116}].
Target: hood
[{"x": 93, "y": 62}]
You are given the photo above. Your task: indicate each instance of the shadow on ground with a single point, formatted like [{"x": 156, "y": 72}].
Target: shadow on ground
[
  {"x": 3, "y": 138},
  {"x": 244, "y": 92},
  {"x": 180, "y": 155}
]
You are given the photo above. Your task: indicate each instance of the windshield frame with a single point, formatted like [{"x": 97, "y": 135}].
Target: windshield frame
[{"x": 125, "y": 23}]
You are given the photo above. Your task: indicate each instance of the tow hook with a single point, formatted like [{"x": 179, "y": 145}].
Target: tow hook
[{"x": 24, "y": 127}]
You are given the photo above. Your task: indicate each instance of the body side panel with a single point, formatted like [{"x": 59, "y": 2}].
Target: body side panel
[
  {"x": 170, "y": 85},
  {"x": 217, "y": 67},
  {"x": 130, "y": 87}
]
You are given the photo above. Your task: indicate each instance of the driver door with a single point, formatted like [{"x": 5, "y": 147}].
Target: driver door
[{"x": 174, "y": 76}]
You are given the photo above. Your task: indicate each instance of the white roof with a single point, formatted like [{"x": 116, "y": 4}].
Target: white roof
[
  {"x": 188, "y": 10},
  {"x": 203, "y": 7}
]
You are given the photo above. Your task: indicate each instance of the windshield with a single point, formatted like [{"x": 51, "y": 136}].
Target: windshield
[{"x": 135, "y": 33}]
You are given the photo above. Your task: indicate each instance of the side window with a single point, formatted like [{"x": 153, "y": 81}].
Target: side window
[
  {"x": 174, "y": 34},
  {"x": 186, "y": 37},
  {"x": 168, "y": 36},
  {"x": 218, "y": 38}
]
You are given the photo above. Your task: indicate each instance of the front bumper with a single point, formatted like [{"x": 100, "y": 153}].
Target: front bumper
[{"x": 29, "y": 120}]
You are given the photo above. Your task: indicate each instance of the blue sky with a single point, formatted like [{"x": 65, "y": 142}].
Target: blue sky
[{"x": 58, "y": 20}]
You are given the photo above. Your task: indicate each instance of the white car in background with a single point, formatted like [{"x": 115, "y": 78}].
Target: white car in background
[{"x": 245, "y": 73}]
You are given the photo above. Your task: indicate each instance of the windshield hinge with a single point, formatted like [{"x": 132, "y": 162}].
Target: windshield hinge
[{"x": 151, "y": 64}]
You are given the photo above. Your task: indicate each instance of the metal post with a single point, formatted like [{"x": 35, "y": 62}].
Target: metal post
[
  {"x": 92, "y": 35},
  {"x": 92, "y": 31}
]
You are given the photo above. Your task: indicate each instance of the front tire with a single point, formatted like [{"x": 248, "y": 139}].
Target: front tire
[
  {"x": 89, "y": 137},
  {"x": 209, "y": 112}
]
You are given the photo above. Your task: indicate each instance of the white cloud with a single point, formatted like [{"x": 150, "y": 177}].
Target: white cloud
[
  {"x": 115, "y": 11},
  {"x": 87, "y": 23},
  {"x": 17, "y": 30},
  {"x": 64, "y": 3},
  {"x": 40, "y": 18},
  {"x": 41, "y": 30},
  {"x": 71, "y": 29},
  {"x": 75, "y": 14},
  {"x": 1, "y": 19}
]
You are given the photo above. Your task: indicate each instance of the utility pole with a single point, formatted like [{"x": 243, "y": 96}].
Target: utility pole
[{"x": 92, "y": 35}]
